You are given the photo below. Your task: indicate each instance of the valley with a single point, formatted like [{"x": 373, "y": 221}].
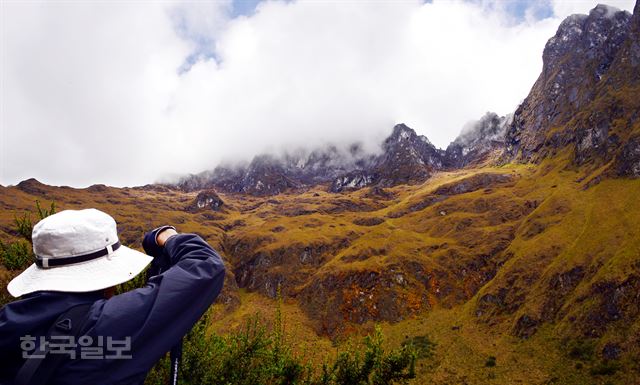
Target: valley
[{"x": 516, "y": 250}]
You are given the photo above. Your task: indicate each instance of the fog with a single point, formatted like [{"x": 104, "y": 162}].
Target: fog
[{"x": 130, "y": 93}]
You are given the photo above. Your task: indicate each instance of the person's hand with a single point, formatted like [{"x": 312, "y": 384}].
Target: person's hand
[
  {"x": 154, "y": 240},
  {"x": 164, "y": 235}
]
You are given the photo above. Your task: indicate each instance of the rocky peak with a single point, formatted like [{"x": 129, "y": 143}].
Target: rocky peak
[
  {"x": 224, "y": 177},
  {"x": 575, "y": 61},
  {"x": 402, "y": 133},
  {"x": 584, "y": 45},
  {"x": 478, "y": 140},
  {"x": 594, "y": 36},
  {"x": 404, "y": 142},
  {"x": 407, "y": 158},
  {"x": 266, "y": 176},
  {"x": 326, "y": 163}
]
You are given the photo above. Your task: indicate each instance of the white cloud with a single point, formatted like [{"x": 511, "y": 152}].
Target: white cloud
[
  {"x": 563, "y": 8},
  {"x": 91, "y": 92}
]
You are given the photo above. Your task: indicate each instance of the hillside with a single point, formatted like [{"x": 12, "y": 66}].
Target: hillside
[{"x": 520, "y": 241}]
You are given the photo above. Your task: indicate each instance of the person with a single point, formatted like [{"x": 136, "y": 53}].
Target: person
[{"x": 79, "y": 261}]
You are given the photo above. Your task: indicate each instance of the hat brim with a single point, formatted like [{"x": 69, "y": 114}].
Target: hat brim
[{"x": 118, "y": 267}]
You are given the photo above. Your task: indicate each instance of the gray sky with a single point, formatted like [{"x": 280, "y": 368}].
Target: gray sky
[{"x": 124, "y": 93}]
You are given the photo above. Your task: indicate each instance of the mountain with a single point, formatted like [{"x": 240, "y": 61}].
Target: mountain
[
  {"x": 479, "y": 141},
  {"x": 516, "y": 249},
  {"x": 585, "y": 100},
  {"x": 271, "y": 175},
  {"x": 405, "y": 158}
]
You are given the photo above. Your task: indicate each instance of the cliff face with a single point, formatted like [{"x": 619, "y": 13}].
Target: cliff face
[{"x": 584, "y": 99}]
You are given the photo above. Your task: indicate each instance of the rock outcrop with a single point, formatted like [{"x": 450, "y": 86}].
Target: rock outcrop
[
  {"x": 206, "y": 200},
  {"x": 478, "y": 142},
  {"x": 585, "y": 98}
]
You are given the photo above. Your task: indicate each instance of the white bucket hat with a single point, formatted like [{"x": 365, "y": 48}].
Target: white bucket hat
[{"x": 78, "y": 251}]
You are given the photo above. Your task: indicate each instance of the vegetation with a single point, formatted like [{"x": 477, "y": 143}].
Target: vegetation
[
  {"x": 462, "y": 269},
  {"x": 253, "y": 354},
  {"x": 582, "y": 350},
  {"x": 18, "y": 255},
  {"x": 256, "y": 355},
  {"x": 422, "y": 345},
  {"x": 605, "y": 368}
]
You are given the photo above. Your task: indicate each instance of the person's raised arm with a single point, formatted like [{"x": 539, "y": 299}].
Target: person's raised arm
[{"x": 156, "y": 316}]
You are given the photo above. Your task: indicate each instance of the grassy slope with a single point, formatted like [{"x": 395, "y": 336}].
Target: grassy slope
[{"x": 565, "y": 226}]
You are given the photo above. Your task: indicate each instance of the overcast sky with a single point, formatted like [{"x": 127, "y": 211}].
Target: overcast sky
[{"x": 124, "y": 93}]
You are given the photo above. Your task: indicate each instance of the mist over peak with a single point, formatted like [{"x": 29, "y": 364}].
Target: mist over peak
[{"x": 402, "y": 157}]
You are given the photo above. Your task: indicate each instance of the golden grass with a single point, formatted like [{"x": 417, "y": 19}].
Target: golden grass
[{"x": 546, "y": 220}]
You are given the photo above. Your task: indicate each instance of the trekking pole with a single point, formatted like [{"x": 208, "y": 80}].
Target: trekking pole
[{"x": 175, "y": 358}]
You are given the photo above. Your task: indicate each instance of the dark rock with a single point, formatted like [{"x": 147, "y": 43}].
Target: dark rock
[
  {"x": 206, "y": 200},
  {"x": 592, "y": 140},
  {"x": 611, "y": 351},
  {"x": 627, "y": 163},
  {"x": 525, "y": 327},
  {"x": 351, "y": 205},
  {"x": 407, "y": 158},
  {"x": 257, "y": 268},
  {"x": 147, "y": 187},
  {"x": 616, "y": 302},
  {"x": 97, "y": 188},
  {"x": 352, "y": 181},
  {"x": 426, "y": 202},
  {"x": 377, "y": 192},
  {"x": 575, "y": 61},
  {"x": 368, "y": 221},
  {"x": 266, "y": 176},
  {"x": 560, "y": 286},
  {"x": 477, "y": 141},
  {"x": 473, "y": 183}
]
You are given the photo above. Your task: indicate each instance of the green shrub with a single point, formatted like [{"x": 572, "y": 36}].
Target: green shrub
[
  {"x": 256, "y": 355},
  {"x": 19, "y": 255},
  {"x": 490, "y": 362},
  {"x": 16, "y": 256},
  {"x": 582, "y": 350},
  {"x": 422, "y": 345},
  {"x": 371, "y": 367},
  {"x": 605, "y": 368},
  {"x": 24, "y": 225}
]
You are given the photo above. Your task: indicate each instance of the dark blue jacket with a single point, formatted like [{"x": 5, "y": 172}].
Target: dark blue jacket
[{"x": 155, "y": 317}]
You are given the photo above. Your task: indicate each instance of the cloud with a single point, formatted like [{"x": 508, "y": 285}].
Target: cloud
[
  {"x": 124, "y": 93},
  {"x": 568, "y": 7}
]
